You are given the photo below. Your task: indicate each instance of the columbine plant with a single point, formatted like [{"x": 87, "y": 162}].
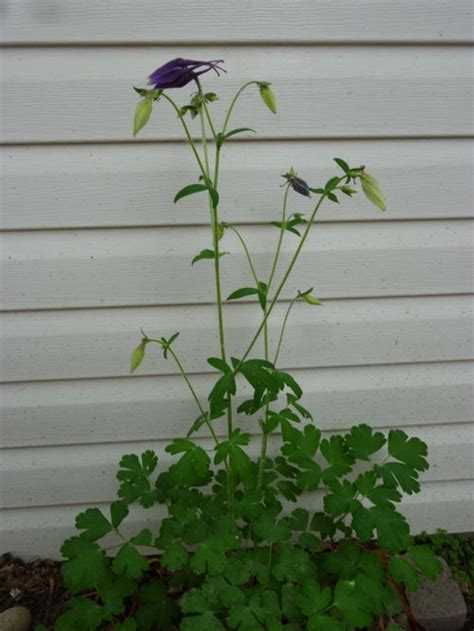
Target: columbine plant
[{"x": 232, "y": 552}]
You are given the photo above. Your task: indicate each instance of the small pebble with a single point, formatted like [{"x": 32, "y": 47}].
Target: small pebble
[{"x": 15, "y": 619}]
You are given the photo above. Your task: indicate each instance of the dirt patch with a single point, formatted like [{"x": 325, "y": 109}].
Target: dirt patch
[{"x": 36, "y": 585}]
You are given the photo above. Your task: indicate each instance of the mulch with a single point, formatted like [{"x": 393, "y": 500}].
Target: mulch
[{"x": 38, "y": 586}]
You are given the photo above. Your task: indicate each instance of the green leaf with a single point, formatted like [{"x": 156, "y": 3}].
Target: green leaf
[
  {"x": 323, "y": 524},
  {"x": 142, "y": 114},
  {"x": 339, "y": 501},
  {"x": 175, "y": 556},
  {"x": 267, "y": 96},
  {"x": 338, "y": 455},
  {"x": 137, "y": 356},
  {"x": 267, "y": 528},
  {"x": 364, "y": 442},
  {"x": 393, "y": 626},
  {"x": 343, "y": 164},
  {"x": 426, "y": 561},
  {"x": 403, "y": 572},
  {"x": 83, "y": 615},
  {"x": 129, "y": 562},
  {"x": 127, "y": 625},
  {"x": 118, "y": 512},
  {"x": 393, "y": 532},
  {"x": 347, "y": 601},
  {"x": 144, "y": 538},
  {"x": 193, "y": 601},
  {"x": 372, "y": 190},
  {"x": 87, "y": 564},
  {"x": 203, "y": 622},
  {"x": 395, "y": 473},
  {"x": 208, "y": 558},
  {"x": 94, "y": 524},
  {"x": 190, "y": 190},
  {"x": 237, "y": 572},
  {"x": 193, "y": 467},
  {"x": 242, "y": 293},
  {"x": 218, "y": 397},
  {"x": 220, "y": 139},
  {"x": 206, "y": 254},
  {"x": 113, "y": 591},
  {"x": 231, "y": 449},
  {"x": 312, "y": 598},
  {"x": 325, "y": 623},
  {"x": 292, "y": 564},
  {"x": 155, "y": 605},
  {"x": 134, "y": 477},
  {"x": 218, "y": 364},
  {"x": 411, "y": 451}
]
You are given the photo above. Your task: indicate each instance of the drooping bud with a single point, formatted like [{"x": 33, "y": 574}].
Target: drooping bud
[
  {"x": 267, "y": 96},
  {"x": 137, "y": 356},
  {"x": 308, "y": 297},
  {"x": 372, "y": 190},
  {"x": 297, "y": 184},
  {"x": 142, "y": 114}
]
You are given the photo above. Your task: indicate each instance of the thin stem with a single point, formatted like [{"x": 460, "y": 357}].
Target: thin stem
[
  {"x": 191, "y": 388},
  {"x": 263, "y": 455},
  {"x": 282, "y": 333},
  {"x": 273, "y": 270},
  {"x": 187, "y": 132},
  {"x": 224, "y": 128},
  {"x": 208, "y": 116},
  {"x": 280, "y": 240},
  {"x": 193, "y": 392},
  {"x": 233, "y": 102},
  {"x": 203, "y": 128},
  {"x": 284, "y": 279},
  {"x": 247, "y": 253}
]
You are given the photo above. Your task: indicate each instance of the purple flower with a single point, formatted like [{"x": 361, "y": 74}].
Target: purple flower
[
  {"x": 300, "y": 186},
  {"x": 178, "y": 72},
  {"x": 297, "y": 183}
]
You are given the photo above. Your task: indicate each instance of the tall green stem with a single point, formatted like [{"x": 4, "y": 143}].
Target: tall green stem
[{"x": 217, "y": 274}]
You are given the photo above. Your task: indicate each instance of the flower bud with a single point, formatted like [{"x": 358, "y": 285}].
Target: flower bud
[
  {"x": 142, "y": 114},
  {"x": 372, "y": 190},
  {"x": 137, "y": 356},
  {"x": 267, "y": 96}
]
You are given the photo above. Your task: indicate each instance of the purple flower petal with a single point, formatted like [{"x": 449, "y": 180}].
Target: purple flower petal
[{"x": 179, "y": 72}]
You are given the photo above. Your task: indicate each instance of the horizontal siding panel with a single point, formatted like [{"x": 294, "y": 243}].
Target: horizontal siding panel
[
  {"x": 85, "y": 94},
  {"x": 66, "y": 269},
  {"x": 35, "y": 476},
  {"x": 97, "y": 343},
  {"x": 88, "y": 411},
  {"x": 136, "y": 21},
  {"x": 448, "y": 505},
  {"x": 124, "y": 185}
]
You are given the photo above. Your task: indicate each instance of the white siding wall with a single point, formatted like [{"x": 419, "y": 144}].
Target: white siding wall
[{"x": 93, "y": 247}]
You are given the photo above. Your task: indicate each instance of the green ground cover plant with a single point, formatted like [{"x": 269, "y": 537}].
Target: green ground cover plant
[{"x": 237, "y": 547}]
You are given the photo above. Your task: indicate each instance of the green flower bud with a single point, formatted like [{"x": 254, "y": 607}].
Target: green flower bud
[
  {"x": 142, "y": 114},
  {"x": 372, "y": 190},
  {"x": 137, "y": 356},
  {"x": 268, "y": 96}
]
